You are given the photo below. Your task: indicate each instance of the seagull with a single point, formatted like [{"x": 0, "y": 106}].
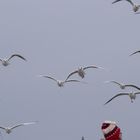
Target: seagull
[
  {"x": 135, "y": 53},
  {"x": 5, "y": 62},
  {"x": 81, "y": 71},
  {"x": 60, "y": 83},
  {"x": 132, "y": 96},
  {"x": 8, "y": 130},
  {"x": 123, "y": 86},
  {"x": 135, "y": 7}
]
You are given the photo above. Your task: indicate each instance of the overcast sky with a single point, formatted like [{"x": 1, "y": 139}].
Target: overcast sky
[{"x": 56, "y": 37}]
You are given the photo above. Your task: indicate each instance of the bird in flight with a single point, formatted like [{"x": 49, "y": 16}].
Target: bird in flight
[
  {"x": 135, "y": 7},
  {"x": 60, "y": 83},
  {"x": 132, "y": 96},
  {"x": 81, "y": 71},
  {"x": 8, "y": 130},
  {"x": 135, "y": 52},
  {"x": 6, "y": 62},
  {"x": 123, "y": 86}
]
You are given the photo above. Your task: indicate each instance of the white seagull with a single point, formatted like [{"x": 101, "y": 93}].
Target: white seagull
[
  {"x": 81, "y": 71},
  {"x": 123, "y": 86},
  {"x": 8, "y": 130},
  {"x": 132, "y": 96},
  {"x": 60, "y": 83},
  {"x": 6, "y": 62},
  {"x": 135, "y": 7},
  {"x": 135, "y": 52}
]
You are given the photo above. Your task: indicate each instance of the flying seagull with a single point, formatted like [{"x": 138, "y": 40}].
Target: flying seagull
[
  {"x": 81, "y": 71},
  {"x": 123, "y": 86},
  {"x": 6, "y": 62},
  {"x": 60, "y": 83},
  {"x": 135, "y": 52},
  {"x": 8, "y": 130},
  {"x": 132, "y": 96},
  {"x": 135, "y": 7}
]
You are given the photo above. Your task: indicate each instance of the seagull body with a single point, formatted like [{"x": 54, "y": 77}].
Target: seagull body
[
  {"x": 60, "y": 83},
  {"x": 6, "y": 62},
  {"x": 132, "y": 96},
  {"x": 123, "y": 86},
  {"x": 135, "y": 52},
  {"x": 81, "y": 71},
  {"x": 135, "y": 7},
  {"x": 8, "y": 130}
]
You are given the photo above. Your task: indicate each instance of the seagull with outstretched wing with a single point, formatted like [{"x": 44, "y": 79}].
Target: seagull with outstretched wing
[
  {"x": 135, "y": 7},
  {"x": 6, "y": 62},
  {"x": 123, "y": 86},
  {"x": 8, "y": 130},
  {"x": 60, "y": 83},
  {"x": 132, "y": 96},
  {"x": 81, "y": 71}
]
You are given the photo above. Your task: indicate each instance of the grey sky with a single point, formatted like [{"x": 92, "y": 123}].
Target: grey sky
[{"x": 56, "y": 37}]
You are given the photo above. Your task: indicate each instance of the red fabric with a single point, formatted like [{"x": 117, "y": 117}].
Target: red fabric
[{"x": 114, "y": 136}]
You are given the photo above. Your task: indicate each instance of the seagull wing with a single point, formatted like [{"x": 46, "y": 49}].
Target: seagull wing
[
  {"x": 116, "y": 96},
  {"x": 130, "y": 2},
  {"x": 72, "y": 81},
  {"x": 76, "y": 81},
  {"x": 48, "y": 77},
  {"x": 22, "y": 124},
  {"x": 71, "y": 74},
  {"x": 90, "y": 67},
  {"x": 17, "y": 56},
  {"x": 132, "y": 86},
  {"x": 2, "y": 127},
  {"x": 116, "y": 1},
  {"x": 121, "y": 0},
  {"x": 137, "y": 93},
  {"x": 134, "y": 53},
  {"x": 116, "y": 83}
]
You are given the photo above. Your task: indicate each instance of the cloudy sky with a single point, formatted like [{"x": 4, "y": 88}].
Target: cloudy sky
[{"x": 56, "y": 37}]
